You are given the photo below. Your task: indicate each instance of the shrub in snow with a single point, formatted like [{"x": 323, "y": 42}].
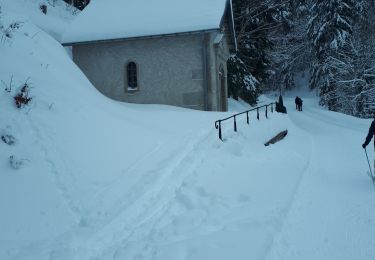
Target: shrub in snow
[
  {"x": 43, "y": 8},
  {"x": 22, "y": 98},
  {"x": 17, "y": 163},
  {"x": 7, "y": 32},
  {"x": 280, "y": 106},
  {"x": 8, "y": 139}
]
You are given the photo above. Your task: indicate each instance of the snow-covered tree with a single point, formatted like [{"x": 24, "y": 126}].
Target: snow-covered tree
[
  {"x": 254, "y": 20},
  {"x": 341, "y": 32},
  {"x": 330, "y": 31},
  {"x": 359, "y": 90},
  {"x": 291, "y": 53},
  {"x": 333, "y": 39},
  {"x": 240, "y": 82}
]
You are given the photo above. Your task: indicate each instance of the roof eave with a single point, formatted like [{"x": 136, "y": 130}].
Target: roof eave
[
  {"x": 140, "y": 37},
  {"x": 229, "y": 11}
]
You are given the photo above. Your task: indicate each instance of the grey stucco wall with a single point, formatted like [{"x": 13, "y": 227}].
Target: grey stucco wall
[
  {"x": 170, "y": 69},
  {"x": 181, "y": 70}
]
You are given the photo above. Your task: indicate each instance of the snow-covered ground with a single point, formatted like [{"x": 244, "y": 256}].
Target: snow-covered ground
[
  {"x": 58, "y": 17},
  {"x": 99, "y": 179}
]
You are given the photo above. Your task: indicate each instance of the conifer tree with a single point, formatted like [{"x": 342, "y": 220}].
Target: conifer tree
[
  {"x": 360, "y": 89},
  {"x": 289, "y": 55},
  {"x": 253, "y": 21},
  {"x": 240, "y": 82},
  {"x": 330, "y": 31}
]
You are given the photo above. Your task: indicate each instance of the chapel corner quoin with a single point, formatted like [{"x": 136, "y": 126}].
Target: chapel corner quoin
[
  {"x": 257, "y": 109},
  {"x": 180, "y": 60}
]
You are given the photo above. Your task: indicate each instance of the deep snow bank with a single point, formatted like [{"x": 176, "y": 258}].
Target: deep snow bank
[
  {"x": 59, "y": 14},
  {"x": 71, "y": 140}
]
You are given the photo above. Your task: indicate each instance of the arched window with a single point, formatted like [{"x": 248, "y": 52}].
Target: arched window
[{"x": 132, "y": 77}]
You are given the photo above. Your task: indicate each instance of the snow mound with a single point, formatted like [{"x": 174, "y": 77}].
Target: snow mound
[{"x": 58, "y": 17}]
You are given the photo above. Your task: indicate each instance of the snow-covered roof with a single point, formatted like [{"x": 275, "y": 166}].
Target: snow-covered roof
[{"x": 120, "y": 19}]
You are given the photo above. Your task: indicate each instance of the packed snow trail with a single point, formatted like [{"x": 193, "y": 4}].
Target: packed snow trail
[
  {"x": 215, "y": 208},
  {"x": 332, "y": 215}
]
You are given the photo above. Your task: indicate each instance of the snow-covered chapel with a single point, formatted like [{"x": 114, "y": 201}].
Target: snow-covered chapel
[{"x": 171, "y": 52}]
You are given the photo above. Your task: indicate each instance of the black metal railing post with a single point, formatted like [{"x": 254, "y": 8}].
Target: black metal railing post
[
  {"x": 218, "y": 122},
  {"x": 218, "y": 126},
  {"x": 220, "y": 136}
]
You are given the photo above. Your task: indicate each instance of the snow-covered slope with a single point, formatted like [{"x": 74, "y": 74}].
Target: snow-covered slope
[
  {"x": 99, "y": 179},
  {"x": 73, "y": 141},
  {"x": 58, "y": 17}
]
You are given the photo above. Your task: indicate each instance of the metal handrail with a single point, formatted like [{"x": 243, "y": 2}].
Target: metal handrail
[{"x": 218, "y": 122}]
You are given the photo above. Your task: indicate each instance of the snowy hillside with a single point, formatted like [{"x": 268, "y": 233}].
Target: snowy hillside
[
  {"x": 92, "y": 178},
  {"x": 59, "y": 14}
]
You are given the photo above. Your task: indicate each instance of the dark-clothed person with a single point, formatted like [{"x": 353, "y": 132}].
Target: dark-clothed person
[
  {"x": 296, "y": 101},
  {"x": 370, "y": 134}
]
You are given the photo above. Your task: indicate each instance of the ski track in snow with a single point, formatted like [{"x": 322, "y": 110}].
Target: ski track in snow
[
  {"x": 130, "y": 220},
  {"x": 144, "y": 229},
  {"x": 138, "y": 221},
  {"x": 306, "y": 170},
  {"x": 75, "y": 209}
]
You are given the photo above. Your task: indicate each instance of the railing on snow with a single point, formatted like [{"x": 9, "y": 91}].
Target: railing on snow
[{"x": 218, "y": 122}]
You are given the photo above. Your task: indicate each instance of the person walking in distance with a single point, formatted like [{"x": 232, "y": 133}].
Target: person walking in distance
[
  {"x": 300, "y": 104},
  {"x": 296, "y": 100}
]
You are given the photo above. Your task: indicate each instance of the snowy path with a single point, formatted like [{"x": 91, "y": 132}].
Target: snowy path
[
  {"x": 332, "y": 215},
  {"x": 185, "y": 195},
  {"x": 139, "y": 218},
  {"x": 207, "y": 204},
  {"x": 220, "y": 199}
]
